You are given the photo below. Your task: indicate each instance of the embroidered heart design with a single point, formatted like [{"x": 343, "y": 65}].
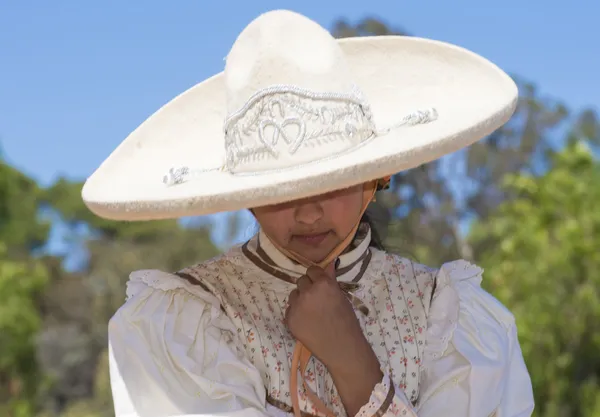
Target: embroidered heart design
[
  {"x": 300, "y": 134},
  {"x": 292, "y": 137}
]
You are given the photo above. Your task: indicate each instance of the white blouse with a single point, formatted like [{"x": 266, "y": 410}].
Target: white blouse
[{"x": 181, "y": 348}]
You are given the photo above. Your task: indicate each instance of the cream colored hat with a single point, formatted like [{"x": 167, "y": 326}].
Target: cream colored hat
[{"x": 297, "y": 113}]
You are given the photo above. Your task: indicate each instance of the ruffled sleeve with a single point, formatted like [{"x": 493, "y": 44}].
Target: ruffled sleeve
[
  {"x": 473, "y": 365},
  {"x": 173, "y": 353}
]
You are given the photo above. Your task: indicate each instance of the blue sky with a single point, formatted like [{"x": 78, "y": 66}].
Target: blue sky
[{"x": 77, "y": 77}]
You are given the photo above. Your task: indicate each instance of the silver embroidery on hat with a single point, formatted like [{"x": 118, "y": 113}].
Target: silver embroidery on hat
[
  {"x": 289, "y": 119},
  {"x": 297, "y": 118}
]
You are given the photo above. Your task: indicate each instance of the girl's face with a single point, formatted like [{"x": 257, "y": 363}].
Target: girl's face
[{"x": 312, "y": 227}]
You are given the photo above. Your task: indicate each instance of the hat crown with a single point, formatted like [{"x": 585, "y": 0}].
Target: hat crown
[
  {"x": 284, "y": 48},
  {"x": 290, "y": 97}
]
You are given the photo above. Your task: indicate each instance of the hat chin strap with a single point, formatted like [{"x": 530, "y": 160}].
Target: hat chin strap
[{"x": 301, "y": 354}]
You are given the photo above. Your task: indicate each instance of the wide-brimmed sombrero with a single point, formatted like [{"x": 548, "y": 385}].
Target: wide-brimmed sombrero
[{"x": 297, "y": 113}]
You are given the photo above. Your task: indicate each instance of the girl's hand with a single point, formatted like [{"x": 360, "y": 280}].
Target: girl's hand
[{"x": 321, "y": 317}]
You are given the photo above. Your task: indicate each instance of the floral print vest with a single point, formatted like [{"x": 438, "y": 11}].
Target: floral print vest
[{"x": 253, "y": 282}]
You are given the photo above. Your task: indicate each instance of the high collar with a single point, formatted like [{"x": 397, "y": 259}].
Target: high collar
[{"x": 350, "y": 266}]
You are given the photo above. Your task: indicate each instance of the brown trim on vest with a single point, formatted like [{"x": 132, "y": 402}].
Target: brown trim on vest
[
  {"x": 265, "y": 266},
  {"x": 287, "y": 408},
  {"x": 433, "y": 288},
  {"x": 195, "y": 281},
  {"x": 347, "y": 287},
  {"x": 264, "y": 262},
  {"x": 387, "y": 402},
  {"x": 366, "y": 258}
]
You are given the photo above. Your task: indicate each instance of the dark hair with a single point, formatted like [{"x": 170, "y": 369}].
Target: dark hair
[
  {"x": 376, "y": 241},
  {"x": 378, "y": 219}
]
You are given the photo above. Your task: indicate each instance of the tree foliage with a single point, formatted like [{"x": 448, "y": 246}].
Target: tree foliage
[
  {"x": 541, "y": 256},
  {"x": 21, "y": 284}
]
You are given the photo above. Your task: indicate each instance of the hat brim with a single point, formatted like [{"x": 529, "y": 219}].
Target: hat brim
[{"x": 399, "y": 75}]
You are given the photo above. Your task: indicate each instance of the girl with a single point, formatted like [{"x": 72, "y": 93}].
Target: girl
[{"x": 310, "y": 317}]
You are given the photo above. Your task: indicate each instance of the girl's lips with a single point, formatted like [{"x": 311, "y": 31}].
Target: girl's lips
[{"x": 311, "y": 240}]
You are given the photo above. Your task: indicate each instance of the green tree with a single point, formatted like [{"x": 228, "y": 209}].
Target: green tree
[
  {"x": 540, "y": 251},
  {"x": 20, "y": 228},
  {"x": 21, "y": 284}
]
